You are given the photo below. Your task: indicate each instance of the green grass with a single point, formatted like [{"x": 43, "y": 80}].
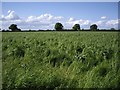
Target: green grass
[{"x": 60, "y": 60}]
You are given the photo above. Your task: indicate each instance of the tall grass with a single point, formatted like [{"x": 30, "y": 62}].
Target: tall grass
[{"x": 60, "y": 60}]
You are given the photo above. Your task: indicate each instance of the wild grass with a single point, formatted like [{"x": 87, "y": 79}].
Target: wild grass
[{"x": 60, "y": 60}]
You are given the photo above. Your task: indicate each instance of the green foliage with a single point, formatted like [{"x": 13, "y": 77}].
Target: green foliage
[
  {"x": 40, "y": 60},
  {"x": 112, "y": 29},
  {"x": 93, "y": 27},
  {"x": 76, "y": 27},
  {"x": 14, "y": 28},
  {"x": 58, "y": 26}
]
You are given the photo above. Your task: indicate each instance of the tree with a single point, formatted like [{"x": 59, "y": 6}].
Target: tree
[
  {"x": 76, "y": 27},
  {"x": 112, "y": 29},
  {"x": 83, "y": 29},
  {"x": 14, "y": 28},
  {"x": 93, "y": 27},
  {"x": 3, "y": 30},
  {"x": 58, "y": 26}
]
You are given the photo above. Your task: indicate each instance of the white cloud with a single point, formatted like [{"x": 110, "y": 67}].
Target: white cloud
[
  {"x": 2, "y": 17},
  {"x": 82, "y": 22},
  {"x": 11, "y": 16},
  {"x": 31, "y": 19},
  {"x": 87, "y": 22},
  {"x": 44, "y": 18},
  {"x": 99, "y": 23},
  {"x": 58, "y": 18},
  {"x": 47, "y": 21},
  {"x": 71, "y": 19},
  {"x": 9, "y": 11},
  {"x": 103, "y": 17},
  {"x": 112, "y": 22},
  {"x": 107, "y": 23}
]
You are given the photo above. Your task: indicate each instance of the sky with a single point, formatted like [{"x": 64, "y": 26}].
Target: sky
[
  {"x": 59, "y": 0},
  {"x": 44, "y": 15}
]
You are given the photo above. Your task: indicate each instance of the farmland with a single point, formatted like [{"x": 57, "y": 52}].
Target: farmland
[{"x": 60, "y": 60}]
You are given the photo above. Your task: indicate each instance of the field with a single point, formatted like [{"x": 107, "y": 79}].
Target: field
[{"x": 60, "y": 60}]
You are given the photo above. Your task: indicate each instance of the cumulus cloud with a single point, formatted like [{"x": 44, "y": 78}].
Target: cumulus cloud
[
  {"x": 2, "y": 18},
  {"x": 9, "y": 11},
  {"x": 72, "y": 21},
  {"x": 11, "y": 16},
  {"x": 107, "y": 23},
  {"x": 100, "y": 22},
  {"x": 112, "y": 22},
  {"x": 47, "y": 21},
  {"x": 103, "y": 17},
  {"x": 44, "y": 21},
  {"x": 44, "y": 18}
]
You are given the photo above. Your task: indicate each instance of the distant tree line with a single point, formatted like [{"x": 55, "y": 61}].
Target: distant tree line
[
  {"x": 58, "y": 27},
  {"x": 76, "y": 27}
]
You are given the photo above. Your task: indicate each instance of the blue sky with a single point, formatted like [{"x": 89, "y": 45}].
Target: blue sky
[
  {"x": 59, "y": 0},
  {"x": 79, "y": 10},
  {"x": 105, "y": 14}
]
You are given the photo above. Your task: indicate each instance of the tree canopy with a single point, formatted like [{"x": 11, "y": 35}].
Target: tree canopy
[
  {"x": 14, "y": 28},
  {"x": 76, "y": 27},
  {"x": 58, "y": 26},
  {"x": 93, "y": 27}
]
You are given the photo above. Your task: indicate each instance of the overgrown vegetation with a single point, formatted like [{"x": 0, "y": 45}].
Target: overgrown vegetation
[{"x": 39, "y": 60}]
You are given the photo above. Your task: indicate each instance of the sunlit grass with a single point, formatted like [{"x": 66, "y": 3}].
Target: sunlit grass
[{"x": 60, "y": 60}]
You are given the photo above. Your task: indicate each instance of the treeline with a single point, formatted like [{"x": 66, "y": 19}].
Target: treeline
[{"x": 58, "y": 27}]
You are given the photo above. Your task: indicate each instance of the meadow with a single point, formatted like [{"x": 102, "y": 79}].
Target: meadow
[{"x": 57, "y": 60}]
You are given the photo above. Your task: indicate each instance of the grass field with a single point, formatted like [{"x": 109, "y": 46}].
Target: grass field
[{"x": 60, "y": 60}]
